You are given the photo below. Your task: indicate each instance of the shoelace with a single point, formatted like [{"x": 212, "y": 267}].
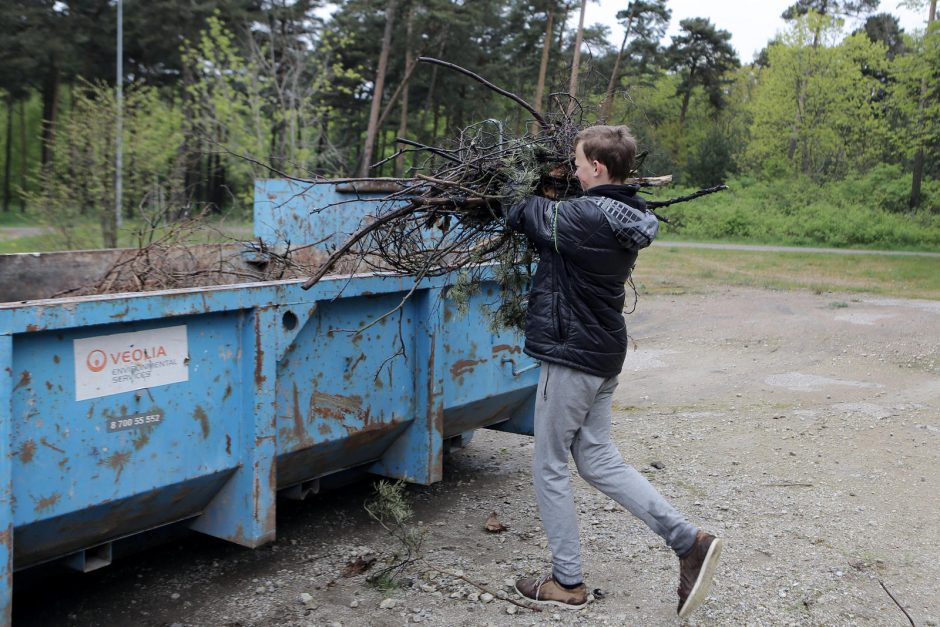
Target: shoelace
[{"x": 541, "y": 581}]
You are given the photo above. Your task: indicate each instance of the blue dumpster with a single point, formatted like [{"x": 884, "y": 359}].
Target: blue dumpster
[{"x": 122, "y": 413}]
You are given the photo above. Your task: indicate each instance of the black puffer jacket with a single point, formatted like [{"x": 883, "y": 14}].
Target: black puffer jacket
[{"x": 587, "y": 248}]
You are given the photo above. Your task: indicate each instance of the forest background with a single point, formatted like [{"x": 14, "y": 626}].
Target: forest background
[{"x": 829, "y": 136}]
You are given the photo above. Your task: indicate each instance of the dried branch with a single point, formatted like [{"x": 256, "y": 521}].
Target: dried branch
[
  {"x": 672, "y": 201},
  {"x": 522, "y": 103},
  {"x": 900, "y": 607}
]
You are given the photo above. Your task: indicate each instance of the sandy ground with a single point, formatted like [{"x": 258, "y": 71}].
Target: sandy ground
[{"x": 802, "y": 428}]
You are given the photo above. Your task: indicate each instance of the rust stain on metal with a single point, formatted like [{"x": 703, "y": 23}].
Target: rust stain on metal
[
  {"x": 142, "y": 439},
  {"x": 464, "y": 366},
  {"x": 27, "y": 451},
  {"x": 336, "y": 406},
  {"x": 46, "y": 502},
  {"x": 120, "y": 314},
  {"x": 56, "y": 359},
  {"x": 436, "y": 406},
  {"x": 116, "y": 462},
  {"x": 200, "y": 415},
  {"x": 91, "y": 411},
  {"x": 6, "y": 537},
  {"x": 228, "y": 392},
  {"x": 49, "y": 385},
  {"x": 33, "y": 327},
  {"x": 63, "y": 463},
  {"x": 228, "y": 444},
  {"x": 300, "y": 431},
  {"x": 260, "y": 378},
  {"x": 352, "y": 367},
  {"x": 25, "y": 379},
  {"x": 270, "y": 519},
  {"x": 324, "y": 429},
  {"x": 506, "y": 348},
  {"x": 46, "y": 443}
]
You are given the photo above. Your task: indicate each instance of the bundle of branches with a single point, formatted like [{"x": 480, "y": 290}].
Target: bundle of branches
[{"x": 449, "y": 217}]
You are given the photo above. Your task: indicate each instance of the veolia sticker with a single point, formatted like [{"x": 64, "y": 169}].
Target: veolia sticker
[{"x": 110, "y": 364}]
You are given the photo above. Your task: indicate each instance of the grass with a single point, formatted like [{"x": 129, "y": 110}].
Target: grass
[
  {"x": 88, "y": 234},
  {"x": 664, "y": 270}
]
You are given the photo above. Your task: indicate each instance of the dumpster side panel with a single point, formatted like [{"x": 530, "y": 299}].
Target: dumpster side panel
[
  {"x": 74, "y": 456},
  {"x": 488, "y": 377},
  {"x": 346, "y": 386},
  {"x": 305, "y": 213}
]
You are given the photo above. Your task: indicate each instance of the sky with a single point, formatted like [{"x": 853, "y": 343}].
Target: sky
[{"x": 752, "y": 23}]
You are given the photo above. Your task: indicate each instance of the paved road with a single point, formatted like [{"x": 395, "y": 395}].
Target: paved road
[{"x": 794, "y": 249}]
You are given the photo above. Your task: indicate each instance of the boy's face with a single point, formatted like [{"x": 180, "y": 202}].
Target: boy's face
[{"x": 589, "y": 173}]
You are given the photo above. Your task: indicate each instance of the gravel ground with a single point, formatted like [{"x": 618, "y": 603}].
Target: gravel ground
[{"x": 802, "y": 428}]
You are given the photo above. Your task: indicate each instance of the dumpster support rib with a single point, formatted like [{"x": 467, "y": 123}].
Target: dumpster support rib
[
  {"x": 417, "y": 455},
  {"x": 243, "y": 510}
]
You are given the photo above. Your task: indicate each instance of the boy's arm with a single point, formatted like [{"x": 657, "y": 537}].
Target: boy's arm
[{"x": 535, "y": 216}]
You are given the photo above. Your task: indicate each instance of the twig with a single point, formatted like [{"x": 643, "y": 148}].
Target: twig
[
  {"x": 481, "y": 587},
  {"x": 434, "y": 151},
  {"x": 896, "y": 603},
  {"x": 653, "y": 204},
  {"x": 345, "y": 248},
  {"x": 522, "y": 103},
  {"x": 456, "y": 185}
]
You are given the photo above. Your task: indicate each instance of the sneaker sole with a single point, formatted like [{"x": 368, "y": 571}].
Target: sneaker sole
[
  {"x": 704, "y": 582},
  {"x": 567, "y": 606}
]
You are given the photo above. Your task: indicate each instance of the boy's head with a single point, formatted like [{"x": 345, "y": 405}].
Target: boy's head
[{"x": 603, "y": 155}]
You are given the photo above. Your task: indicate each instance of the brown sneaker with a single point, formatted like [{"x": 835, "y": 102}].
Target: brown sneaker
[
  {"x": 546, "y": 591},
  {"x": 696, "y": 569}
]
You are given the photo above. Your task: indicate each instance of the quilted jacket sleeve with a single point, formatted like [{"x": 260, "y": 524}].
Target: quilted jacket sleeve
[{"x": 535, "y": 217}]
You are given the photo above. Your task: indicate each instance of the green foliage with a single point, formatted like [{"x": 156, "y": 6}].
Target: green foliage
[
  {"x": 860, "y": 211},
  {"x": 390, "y": 508},
  {"x": 813, "y": 111},
  {"x": 80, "y": 181}
]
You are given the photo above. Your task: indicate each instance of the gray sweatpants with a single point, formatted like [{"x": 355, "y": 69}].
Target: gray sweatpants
[{"x": 572, "y": 413}]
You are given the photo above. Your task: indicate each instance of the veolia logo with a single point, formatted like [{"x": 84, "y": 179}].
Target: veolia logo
[{"x": 96, "y": 360}]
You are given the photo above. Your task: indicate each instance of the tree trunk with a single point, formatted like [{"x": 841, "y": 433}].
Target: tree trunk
[
  {"x": 23, "y": 155},
  {"x": 561, "y": 31},
  {"x": 403, "y": 120},
  {"x": 576, "y": 60},
  {"x": 918, "y": 174},
  {"x": 7, "y": 163},
  {"x": 50, "y": 107},
  {"x": 543, "y": 65},
  {"x": 609, "y": 96},
  {"x": 189, "y": 162},
  {"x": 372, "y": 128},
  {"x": 429, "y": 102},
  {"x": 685, "y": 99}
]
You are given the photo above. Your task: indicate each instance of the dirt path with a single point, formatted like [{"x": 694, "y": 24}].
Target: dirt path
[
  {"x": 16, "y": 232},
  {"x": 802, "y": 428}
]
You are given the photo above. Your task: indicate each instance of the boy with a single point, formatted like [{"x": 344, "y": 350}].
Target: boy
[{"x": 587, "y": 249}]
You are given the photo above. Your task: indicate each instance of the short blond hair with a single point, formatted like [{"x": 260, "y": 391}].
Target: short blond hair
[{"x": 614, "y": 146}]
